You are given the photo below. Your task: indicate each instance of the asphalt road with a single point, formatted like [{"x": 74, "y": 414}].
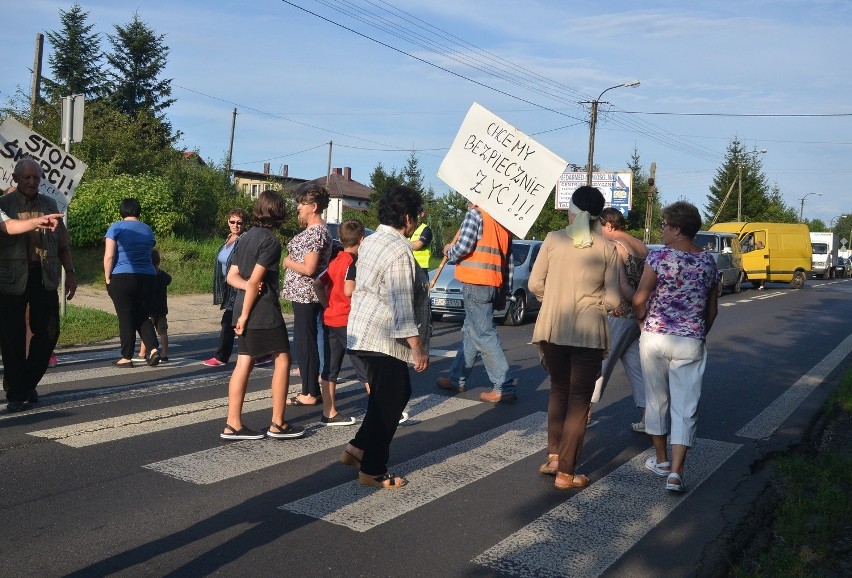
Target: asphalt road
[{"x": 121, "y": 471}]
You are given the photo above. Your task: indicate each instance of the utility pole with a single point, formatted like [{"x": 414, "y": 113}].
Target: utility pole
[
  {"x": 231, "y": 146},
  {"x": 594, "y": 121},
  {"x": 649, "y": 205},
  {"x": 328, "y": 170},
  {"x": 35, "y": 88}
]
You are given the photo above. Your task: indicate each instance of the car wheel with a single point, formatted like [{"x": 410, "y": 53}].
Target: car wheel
[
  {"x": 798, "y": 280},
  {"x": 737, "y": 288},
  {"x": 720, "y": 288},
  {"x": 517, "y": 310},
  {"x": 437, "y": 316}
]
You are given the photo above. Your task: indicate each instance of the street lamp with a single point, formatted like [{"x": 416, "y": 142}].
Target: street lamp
[
  {"x": 802, "y": 209},
  {"x": 740, "y": 180},
  {"x": 837, "y": 218},
  {"x": 593, "y": 121}
]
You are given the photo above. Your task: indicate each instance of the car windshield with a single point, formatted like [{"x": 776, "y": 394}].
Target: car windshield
[
  {"x": 707, "y": 242},
  {"x": 520, "y": 253},
  {"x": 819, "y": 248}
]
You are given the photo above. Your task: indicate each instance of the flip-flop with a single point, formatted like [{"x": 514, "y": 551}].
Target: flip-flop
[{"x": 296, "y": 401}]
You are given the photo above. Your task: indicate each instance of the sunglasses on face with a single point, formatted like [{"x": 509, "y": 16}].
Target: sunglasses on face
[{"x": 235, "y": 223}]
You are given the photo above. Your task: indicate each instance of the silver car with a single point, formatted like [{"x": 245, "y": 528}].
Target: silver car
[{"x": 446, "y": 295}]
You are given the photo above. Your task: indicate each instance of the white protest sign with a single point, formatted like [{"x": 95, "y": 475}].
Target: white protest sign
[
  {"x": 61, "y": 172},
  {"x": 499, "y": 168}
]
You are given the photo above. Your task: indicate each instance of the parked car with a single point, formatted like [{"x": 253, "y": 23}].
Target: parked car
[
  {"x": 843, "y": 267},
  {"x": 334, "y": 231},
  {"x": 446, "y": 295}
]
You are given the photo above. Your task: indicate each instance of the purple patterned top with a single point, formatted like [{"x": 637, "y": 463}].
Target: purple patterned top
[
  {"x": 678, "y": 304},
  {"x": 315, "y": 239}
]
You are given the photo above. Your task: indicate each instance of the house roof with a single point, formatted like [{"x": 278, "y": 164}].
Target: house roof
[{"x": 340, "y": 184}]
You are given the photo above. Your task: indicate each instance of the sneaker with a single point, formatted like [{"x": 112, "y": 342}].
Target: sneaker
[
  {"x": 140, "y": 359},
  {"x": 338, "y": 419},
  {"x": 16, "y": 406},
  {"x": 263, "y": 360},
  {"x": 243, "y": 433},
  {"x": 52, "y": 361},
  {"x": 661, "y": 469},
  {"x": 404, "y": 417},
  {"x": 213, "y": 362},
  {"x": 638, "y": 426},
  {"x": 289, "y": 432},
  {"x": 164, "y": 359}
]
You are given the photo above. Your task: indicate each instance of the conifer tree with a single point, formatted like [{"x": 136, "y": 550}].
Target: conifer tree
[
  {"x": 76, "y": 57},
  {"x": 138, "y": 58}
]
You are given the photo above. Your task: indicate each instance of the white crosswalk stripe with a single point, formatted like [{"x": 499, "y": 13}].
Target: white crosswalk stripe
[
  {"x": 603, "y": 521},
  {"x": 429, "y": 477},
  {"x": 238, "y": 458}
]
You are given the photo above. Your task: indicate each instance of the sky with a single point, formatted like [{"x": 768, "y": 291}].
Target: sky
[{"x": 379, "y": 79}]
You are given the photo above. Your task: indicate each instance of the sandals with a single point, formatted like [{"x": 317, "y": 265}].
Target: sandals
[
  {"x": 661, "y": 468},
  {"x": 296, "y": 401},
  {"x": 243, "y": 433},
  {"x": 570, "y": 482},
  {"x": 386, "y": 481},
  {"x": 678, "y": 486},
  {"x": 347, "y": 458},
  {"x": 285, "y": 431},
  {"x": 550, "y": 466}
]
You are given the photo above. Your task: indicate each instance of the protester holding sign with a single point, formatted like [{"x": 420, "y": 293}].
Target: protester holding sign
[
  {"x": 482, "y": 255},
  {"x": 576, "y": 278},
  {"x": 33, "y": 261}
]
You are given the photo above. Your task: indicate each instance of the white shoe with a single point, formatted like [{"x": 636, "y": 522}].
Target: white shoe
[
  {"x": 661, "y": 469},
  {"x": 404, "y": 417}
]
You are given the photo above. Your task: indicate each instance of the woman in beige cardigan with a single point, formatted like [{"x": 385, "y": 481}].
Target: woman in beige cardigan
[{"x": 576, "y": 278}]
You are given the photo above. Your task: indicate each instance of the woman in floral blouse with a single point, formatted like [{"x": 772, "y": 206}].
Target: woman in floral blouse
[
  {"x": 676, "y": 304},
  {"x": 308, "y": 254}
]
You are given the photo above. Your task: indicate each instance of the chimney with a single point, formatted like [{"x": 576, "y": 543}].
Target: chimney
[
  {"x": 347, "y": 173},
  {"x": 285, "y": 171},
  {"x": 337, "y": 170},
  {"x": 265, "y": 168}
]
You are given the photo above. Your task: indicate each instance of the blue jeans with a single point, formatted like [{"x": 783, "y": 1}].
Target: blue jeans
[{"x": 479, "y": 336}]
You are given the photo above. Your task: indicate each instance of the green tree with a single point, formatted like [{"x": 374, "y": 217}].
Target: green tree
[
  {"x": 117, "y": 143},
  {"x": 776, "y": 211},
  {"x": 724, "y": 192},
  {"x": 76, "y": 57},
  {"x": 137, "y": 59}
]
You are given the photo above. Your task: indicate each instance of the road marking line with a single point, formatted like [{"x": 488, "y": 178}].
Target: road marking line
[
  {"x": 442, "y": 353},
  {"x": 771, "y": 418},
  {"x": 429, "y": 476},
  {"x": 142, "y": 423},
  {"x": 238, "y": 458},
  {"x": 597, "y": 525}
]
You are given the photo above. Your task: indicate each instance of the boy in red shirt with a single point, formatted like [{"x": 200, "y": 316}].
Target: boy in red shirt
[{"x": 334, "y": 288}]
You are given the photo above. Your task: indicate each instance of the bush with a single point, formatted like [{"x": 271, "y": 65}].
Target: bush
[{"x": 95, "y": 206}]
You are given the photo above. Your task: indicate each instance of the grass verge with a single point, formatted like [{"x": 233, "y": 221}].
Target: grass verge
[
  {"x": 82, "y": 325},
  {"x": 811, "y": 530}
]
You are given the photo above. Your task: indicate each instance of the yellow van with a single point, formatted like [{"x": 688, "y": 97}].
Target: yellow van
[{"x": 777, "y": 252}]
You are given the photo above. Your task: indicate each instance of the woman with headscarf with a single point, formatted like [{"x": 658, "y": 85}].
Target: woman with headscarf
[
  {"x": 676, "y": 304},
  {"x": 576, "y": 278}
]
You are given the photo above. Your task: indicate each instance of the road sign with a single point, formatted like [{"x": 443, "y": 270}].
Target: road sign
[
  {"x": 72, "y": 119},
  {"x": 617, "y": 188}
]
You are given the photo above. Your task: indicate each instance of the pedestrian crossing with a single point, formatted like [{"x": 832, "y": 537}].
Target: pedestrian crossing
[{"x": 603, "y": 521}]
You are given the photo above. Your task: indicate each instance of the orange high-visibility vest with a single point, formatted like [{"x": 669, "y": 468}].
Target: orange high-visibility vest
[{"x": 485, "y": 264}]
